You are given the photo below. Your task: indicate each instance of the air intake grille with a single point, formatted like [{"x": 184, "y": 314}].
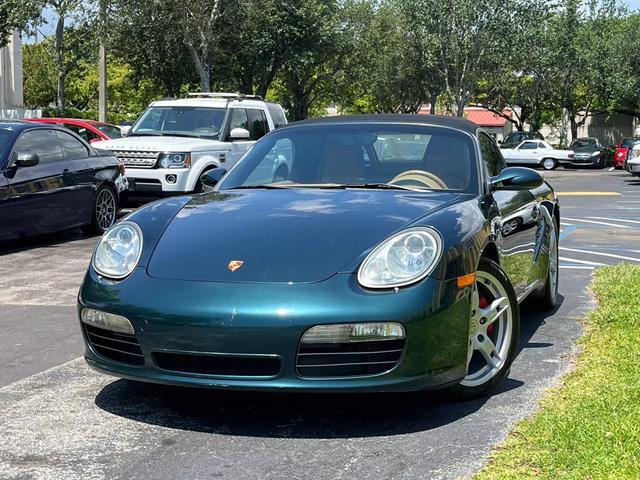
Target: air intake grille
[
  {"x": 327, "y": 360},
  {"x": 137, "y": 159},
  {"x": 221, "y": 365},
  {"x": 120, "y": 347}
]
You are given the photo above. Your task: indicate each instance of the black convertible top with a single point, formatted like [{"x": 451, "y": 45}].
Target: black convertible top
[{"x": 439, "y": 120}]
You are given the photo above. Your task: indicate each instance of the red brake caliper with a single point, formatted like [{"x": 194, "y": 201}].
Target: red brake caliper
[{"x": 483, "y": 303}]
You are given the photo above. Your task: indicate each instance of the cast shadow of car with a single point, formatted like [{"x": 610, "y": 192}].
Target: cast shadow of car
[
  {"x": 44, "y": 240},
  {"x": 285, "y": 415},
  {"x": 300, "y": 415}
]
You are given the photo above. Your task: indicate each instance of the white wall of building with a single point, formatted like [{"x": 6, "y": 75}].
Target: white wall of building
[{"x": 11, "y": 82}]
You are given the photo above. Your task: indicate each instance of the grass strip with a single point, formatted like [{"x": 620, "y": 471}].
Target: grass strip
[{"x": 589, "y": 428}]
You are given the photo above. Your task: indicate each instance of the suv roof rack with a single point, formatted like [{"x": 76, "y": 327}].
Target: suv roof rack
[{"x": 225, "y": 95}]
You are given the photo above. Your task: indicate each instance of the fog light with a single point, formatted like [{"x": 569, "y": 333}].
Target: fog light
[
  {"x": 171, "y": 178},
  {"x": 108, "y": 321},
  {"x": 353, "y": 332}
]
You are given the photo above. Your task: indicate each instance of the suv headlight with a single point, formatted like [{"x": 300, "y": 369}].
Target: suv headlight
[
  {"x": 402, "y": 259},
  {"x": 175, "y": 160},
  {"x": 118, "y": 251},
  {"x": 596, "y": 153}
]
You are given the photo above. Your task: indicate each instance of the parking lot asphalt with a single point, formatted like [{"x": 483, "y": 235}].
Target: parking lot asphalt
[{"x": 60, "y": 420}]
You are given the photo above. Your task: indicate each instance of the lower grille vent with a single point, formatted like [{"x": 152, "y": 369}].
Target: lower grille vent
[
  {"x": 326, "y": 360},
  {"x": 120, "y": 347},
  {"x": 222, "y": 365}
]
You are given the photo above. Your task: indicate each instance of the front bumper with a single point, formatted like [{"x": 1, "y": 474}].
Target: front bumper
[
  {"x": 633, "y": 168},
  {"x": 157, "y": 180},
  {"x": 207, "y": 318}
]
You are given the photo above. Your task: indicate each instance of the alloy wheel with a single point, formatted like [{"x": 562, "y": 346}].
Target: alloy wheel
[
  {"x": 105, "y": 209},
  {"x": 548, "y": 164},
  {"x": 491, "y": 330}
]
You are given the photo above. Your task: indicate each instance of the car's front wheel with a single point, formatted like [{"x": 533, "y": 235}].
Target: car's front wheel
[
  {"x": 549, "y": 164},
  {"x": 494, "y": 329}
]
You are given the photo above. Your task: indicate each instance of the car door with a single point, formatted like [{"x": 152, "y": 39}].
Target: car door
[
  {"x": 527, "y": 153},
  {"x": 36, "y": 195},
  {"x": 79, "y": 178},
  {"x": 515, "y": 227}
]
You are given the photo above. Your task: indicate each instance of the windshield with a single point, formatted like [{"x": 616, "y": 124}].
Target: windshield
[
  {"x": 359, "y": 156},
  {"x": 198, "y": 122},
  {"x": 110, "y": 131},
  {"x": 628, "y": 142},
  {"x": 586, "y": 143}
]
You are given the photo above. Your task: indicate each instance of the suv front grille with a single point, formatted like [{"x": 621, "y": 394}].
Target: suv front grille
[
  {"x": 221, "y": 365},
  {"x": 120, "y": 347},
  {"x": 137, "y": 158},
  {"x": 355, "y": 359}
]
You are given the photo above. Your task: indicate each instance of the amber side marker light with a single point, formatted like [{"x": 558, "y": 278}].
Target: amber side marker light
[{"x": 466, "y": 280}]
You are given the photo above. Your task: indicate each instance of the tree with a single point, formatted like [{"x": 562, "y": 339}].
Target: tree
[
  {"x": 39, "y": 74},
  {"x": 468, "y": 39},
  {"x": 17, "y": 14},
  {"x": 523, "y": 79},
  {"x": 144, "y": 34}
]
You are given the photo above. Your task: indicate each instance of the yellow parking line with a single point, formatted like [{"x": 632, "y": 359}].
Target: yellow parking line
[{"x": 588, "y": 194}]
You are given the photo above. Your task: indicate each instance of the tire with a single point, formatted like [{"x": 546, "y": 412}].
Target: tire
[
  {"x": 493, "y": 297},
  {"x": 547, "y": 298},
  {"x": 549, "y": 163},
  {"x": 105, "y": 211}
]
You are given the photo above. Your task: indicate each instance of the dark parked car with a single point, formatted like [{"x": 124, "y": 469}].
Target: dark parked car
[
  {"x": 393, "y": 256},
  {"x": 587, "y": 151},
  {"x": 51, "y": 179},
  {"x": 515, "y": 138}
]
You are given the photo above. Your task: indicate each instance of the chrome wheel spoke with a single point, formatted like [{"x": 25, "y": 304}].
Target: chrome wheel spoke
[
  {"x": 487, "y": 350},
  {"x": 493, "y": 311}
]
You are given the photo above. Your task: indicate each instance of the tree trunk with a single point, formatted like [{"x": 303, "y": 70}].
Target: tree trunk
[
  {"x": 60, "y": 67},
  {"x": 433, "y": 99},
  {"x": 203, "y": 72},
  {"x": 574, "y": 126}
]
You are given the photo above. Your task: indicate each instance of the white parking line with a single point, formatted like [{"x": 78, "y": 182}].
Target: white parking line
[
  {"x": 566, "y": 224},
  {"x": 583, "y": 262},
  {"x": 607, "y": 224},
  {"x": 601, "y": 254},
  {"x": 578, "y": 267},
  {"x": 616, "y": 220}
]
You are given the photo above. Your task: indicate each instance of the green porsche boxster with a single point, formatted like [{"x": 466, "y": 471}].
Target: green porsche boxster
[{"x": 366, "y": 253}]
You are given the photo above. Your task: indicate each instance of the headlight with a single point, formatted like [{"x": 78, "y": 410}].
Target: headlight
[
  {"x": 405, "y": 258},
  {"x": 175, "y": 160},
  {"x": 596, "y": 153},
  {"x": 118, "y": 251}
]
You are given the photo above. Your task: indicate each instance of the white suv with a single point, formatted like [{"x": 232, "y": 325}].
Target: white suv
[{"x": 175, "y": 141}]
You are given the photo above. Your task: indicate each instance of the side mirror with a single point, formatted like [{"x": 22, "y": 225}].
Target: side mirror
[
  {"x": 211, "y": 178},
  {"x": 239, "y": 134},
  {"x": 124, "y": 130},
  {"x": 27, "y": 160},
  {"x": 517, "y": 178}
]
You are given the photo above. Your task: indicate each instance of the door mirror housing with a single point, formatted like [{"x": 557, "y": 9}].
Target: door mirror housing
[
  {"x": 517, "y": 178},
  {"x": 124, "y": 130},
  {"x": 211, "y": 178},
  {"x": 239, "y": 134},
  {"x": 26, "y": 160}
]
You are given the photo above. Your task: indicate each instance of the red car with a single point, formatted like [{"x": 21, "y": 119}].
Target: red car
[
  {"x": 90, "y": 130},
  {"x": 623, "y": 150}
]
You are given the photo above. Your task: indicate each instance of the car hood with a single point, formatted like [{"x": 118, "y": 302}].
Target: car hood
[
  {"x": 163, "y": 144},
  {"x": 288, "y": 235}
]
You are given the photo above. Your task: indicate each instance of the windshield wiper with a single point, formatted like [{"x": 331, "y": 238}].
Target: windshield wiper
[
  {"x": 370, "y": 186},
  {"x": 173, "y": 134},
  {"x": 263, "y": 187},
  {"x": 144, "y": 134}
]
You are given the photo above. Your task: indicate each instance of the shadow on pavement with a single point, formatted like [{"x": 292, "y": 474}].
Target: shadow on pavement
[
  {"x": 39, "y": 241},
  {"x": 285, "y": 415}
]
